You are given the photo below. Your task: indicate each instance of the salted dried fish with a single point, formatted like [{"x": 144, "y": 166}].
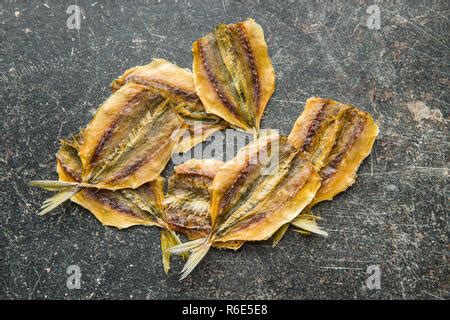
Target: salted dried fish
[
  {"x": 112, "y": 168},
  {"x": 130, "y": 138},
  {"x": 163, "y": 75},
  {"x": 127, "y": 143},
  {"x": 266, "y": 185},
  {"x": 188, "y": 200},
  {"x": 122, "y": 208},
  {"x": 233, "y": 74},
  {"x": 336, "y": 138}
]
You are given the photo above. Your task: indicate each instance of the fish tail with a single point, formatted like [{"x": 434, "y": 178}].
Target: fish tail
[
  {"x": 194, "y": 259},
  {"x": 308, "y": 223},
  {"x": 169, "y": 239},
  {"x": 65, "y": 191},
  {"x": 197, "y": 248},
  {"x": 187, "y": 246},
  {"x": 54, "y": 201}
]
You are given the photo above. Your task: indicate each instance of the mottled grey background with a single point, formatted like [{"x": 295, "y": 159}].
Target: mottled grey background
[{"x": 395, "y": 216}]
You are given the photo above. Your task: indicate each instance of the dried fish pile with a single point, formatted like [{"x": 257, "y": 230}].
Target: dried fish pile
[{"x": 112, "y": 166}]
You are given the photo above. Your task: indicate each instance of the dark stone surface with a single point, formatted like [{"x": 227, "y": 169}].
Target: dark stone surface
[{"x": 53, "y": 78}]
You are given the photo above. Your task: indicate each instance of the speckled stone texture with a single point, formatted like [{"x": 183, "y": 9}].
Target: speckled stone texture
[{"x": 53, "y": 78}]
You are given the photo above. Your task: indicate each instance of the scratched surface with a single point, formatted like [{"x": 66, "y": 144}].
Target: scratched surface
[{"x": 53, "y": 78}]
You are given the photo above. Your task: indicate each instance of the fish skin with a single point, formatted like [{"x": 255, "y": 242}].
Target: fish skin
[
  {"x": 233, "y": 73},
  {"x": 162, "y": 74}
]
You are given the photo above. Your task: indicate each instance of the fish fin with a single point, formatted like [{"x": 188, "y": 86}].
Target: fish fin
[
  {"x": 198, "y": 249},
  {"x": 196, "y": 256},
  {"x": 279, "y": 235},
  {"x": 187, "y": 246},
  {"x": 52, "y": 185},
  {"x": 65, "y": 191},
  {"x": 54, "y": 201},
  {"x": 308, "y": 224},
  {"x": 168, "y": 240}
]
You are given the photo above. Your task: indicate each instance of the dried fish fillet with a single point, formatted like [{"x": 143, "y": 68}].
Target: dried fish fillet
[
  {"x": 130, "y": 138},
  {"x": 122, "y": 208},
  {"x": 336, "y": 138},
  {"x": 188, "y": 200},
  {"x": 161, "y": 74},
  {"x": 112, "y": 208},
  {"x": 249, "y": 204},
  {"x": 233, "y": 74},
  {"x": 127, "y": 143},
  {"x": 266, "y": 185}
]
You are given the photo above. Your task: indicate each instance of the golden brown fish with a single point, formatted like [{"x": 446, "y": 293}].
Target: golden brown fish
[
  {"x": 266, "y": 185},
  {"x": 336, "y": 150},
  {"x": 188, "y": 200},
  {"x": 233, "y": 74}
]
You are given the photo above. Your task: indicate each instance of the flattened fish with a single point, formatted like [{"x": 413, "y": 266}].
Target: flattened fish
[
  {"x": 266, "y": 185},
  {"x": 127, "y": 143},
  {"x": 336, "y": 138},
  {"x": 188, "y": 200},
  {"x": 112, "y": 208},
  {"x": 233, "y": 74},
  {"x": 122, "y": 208},
  {"x": 161, "y": 74},
  {"x": 130, "y": 138}
]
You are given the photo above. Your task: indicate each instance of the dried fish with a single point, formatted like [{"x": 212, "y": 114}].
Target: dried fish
[
  {"x": 122, "y": 208},
  {"x": 336, "y": 138},
  {"x": 233, "y": 74},
  {"x": 163, "y": 75},
  {"x": 112, "y": 208},
  {"x": 188, "y": 200},
  {"x": 127, "y": 143},
  {"x": 112, "y": 167},
  {"x": 266, "y": 185}
]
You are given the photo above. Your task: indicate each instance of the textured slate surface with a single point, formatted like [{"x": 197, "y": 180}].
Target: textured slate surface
[{"x": 52, "y": 79}]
